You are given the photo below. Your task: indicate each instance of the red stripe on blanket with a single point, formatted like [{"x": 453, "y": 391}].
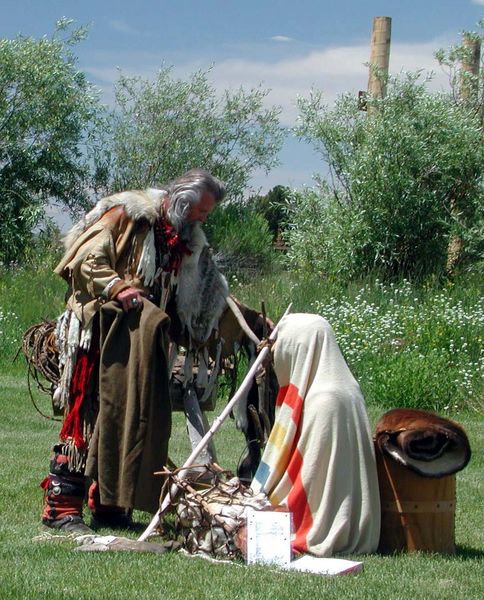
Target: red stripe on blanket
[
  {"x": 297, "y": 502},
  {"x": 289, "y": 395},
  {"x": 297, "y": 499},
  {"x": 281, "y": 395}
]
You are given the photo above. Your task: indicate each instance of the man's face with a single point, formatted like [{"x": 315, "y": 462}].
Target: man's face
[{"x": 200, "y": 211}]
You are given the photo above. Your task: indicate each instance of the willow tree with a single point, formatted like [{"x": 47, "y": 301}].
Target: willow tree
[
  {"x": 394, "y": 179},
  {"x": 162, "y": 127},
  {"x": 46, "y": 104}
]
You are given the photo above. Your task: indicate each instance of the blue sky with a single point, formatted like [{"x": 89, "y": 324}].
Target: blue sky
[{"x": 288, "y": 46}]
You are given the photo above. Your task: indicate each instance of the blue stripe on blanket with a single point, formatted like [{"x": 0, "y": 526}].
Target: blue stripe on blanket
[{"x": 262, "y": 474}]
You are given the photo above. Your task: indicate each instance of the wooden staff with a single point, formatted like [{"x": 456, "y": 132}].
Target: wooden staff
[{"x": 243, "y": 389}]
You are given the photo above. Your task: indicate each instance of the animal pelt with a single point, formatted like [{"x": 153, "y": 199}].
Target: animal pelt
[
  {"x": 233, "y": 336},
  {"x": 137, "y": 204},
  {"x": 234, "y": 339},
  {"x": 201, "y": 290},
  {"x": 423, "y": 441},
  {"x": 254, "y": 413}
]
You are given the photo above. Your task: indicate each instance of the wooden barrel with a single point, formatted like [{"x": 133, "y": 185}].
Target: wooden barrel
[{"x": 417, "y": 513}]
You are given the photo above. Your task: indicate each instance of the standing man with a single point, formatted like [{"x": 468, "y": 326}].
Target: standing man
[{"x": 134, "y": 261}]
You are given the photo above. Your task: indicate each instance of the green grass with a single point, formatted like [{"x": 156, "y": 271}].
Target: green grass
[
  {"x": 423, "y": 367},
  {"x": 53, "y": 569},
  {"x": 408, "y": 345},
  {"x": 27, "y": 296}
]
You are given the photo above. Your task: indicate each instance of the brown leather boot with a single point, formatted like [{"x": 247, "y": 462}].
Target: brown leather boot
[{"x": 63, "y": 501}]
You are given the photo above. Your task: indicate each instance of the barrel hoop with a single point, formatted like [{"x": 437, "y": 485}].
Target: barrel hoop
[{"x": 417, "y": 506}]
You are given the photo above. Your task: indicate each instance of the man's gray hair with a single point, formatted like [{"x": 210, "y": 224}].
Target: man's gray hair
[{"x": 187, "y": 191}]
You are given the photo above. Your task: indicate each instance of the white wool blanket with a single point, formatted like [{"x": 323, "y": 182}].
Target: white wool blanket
[{"x": 319, "y": 461}]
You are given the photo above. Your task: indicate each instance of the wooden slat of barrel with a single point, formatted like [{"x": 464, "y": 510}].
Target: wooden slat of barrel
[{"x": 418, "y": 513}]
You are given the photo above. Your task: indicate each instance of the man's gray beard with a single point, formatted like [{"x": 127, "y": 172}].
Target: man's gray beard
[
  {"x": 186, "y": 230},
  {"x": 183, "y": 227}
]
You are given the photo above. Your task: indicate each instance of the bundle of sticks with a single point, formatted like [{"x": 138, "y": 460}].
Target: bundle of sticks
[{"x": 210, "y": 506}]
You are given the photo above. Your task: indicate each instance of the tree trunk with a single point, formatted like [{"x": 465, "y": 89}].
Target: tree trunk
[{"x": 469, "y": 72}]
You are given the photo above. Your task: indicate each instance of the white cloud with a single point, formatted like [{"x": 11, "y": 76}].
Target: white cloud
[
  {"x": 479, "y": 2},
  {"x": 281, "y": 38},
  {"x": 122, "y": 27},
  {"x": 333, "y": 70},
  {"x": 106, "y": 75}
]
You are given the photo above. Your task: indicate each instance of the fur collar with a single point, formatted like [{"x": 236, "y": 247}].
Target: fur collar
[{"x": 138, "y": 205}]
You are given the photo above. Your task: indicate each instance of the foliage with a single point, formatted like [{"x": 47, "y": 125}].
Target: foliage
[
  {"x": 273, "y": 207},
  {"x": 408, "y": 344},
  {"x": 45, "y": 107},
  {"x": 467, "y": 86},
  {"x": 412, "y": 346},
  {"x": 164, "y": 127},
  {"x": 240, "y": 237},
  {"x": 28, "y": 294},
  {"x": 396, "y": 176},
  {"x": 323, "y": 235}
]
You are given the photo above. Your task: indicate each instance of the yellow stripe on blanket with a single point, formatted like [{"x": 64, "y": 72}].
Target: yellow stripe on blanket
[{"x": 278, "y": 435}]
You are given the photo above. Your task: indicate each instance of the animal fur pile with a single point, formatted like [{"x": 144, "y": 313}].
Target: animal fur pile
[{"x": 422, "y": 441}]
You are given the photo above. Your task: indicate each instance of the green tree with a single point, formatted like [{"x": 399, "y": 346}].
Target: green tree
[
  {"x": 464, "y": 64},
  {"x": 161, "y": 128},
  {"x": 240, "y": 237},
  {"x": 45, "y": 105},
  {"x": 273, "y": 207},
  {"x": 394, "y": 176}
]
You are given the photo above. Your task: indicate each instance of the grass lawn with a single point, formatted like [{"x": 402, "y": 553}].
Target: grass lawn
[{"x": 52, "y": 569}]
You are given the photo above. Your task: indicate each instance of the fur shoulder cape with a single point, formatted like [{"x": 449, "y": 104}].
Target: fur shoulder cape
[{"x": 137, "y": 204}]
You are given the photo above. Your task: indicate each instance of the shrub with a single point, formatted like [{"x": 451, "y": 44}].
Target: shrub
[
  {"x": 325, "y": 237},
  {"x": 240, "y": 237},
  {"x": 398, "y": 175},
  {"x": 273, "y": 207},
  {"x": 46, "y": 109},
  {"x": 160, "y": 128}
]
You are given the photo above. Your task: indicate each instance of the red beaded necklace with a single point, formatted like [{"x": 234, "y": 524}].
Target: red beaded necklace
[{"x": 171, "y": 248}]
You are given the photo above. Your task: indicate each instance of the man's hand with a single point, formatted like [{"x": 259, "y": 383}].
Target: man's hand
[{"x": 130, "y": 298}]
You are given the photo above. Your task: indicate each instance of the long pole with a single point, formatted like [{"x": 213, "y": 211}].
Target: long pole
[
  {"x": 469, "y": 94},
  {"x": 379, "y": 56},
  {"x": 469, "y": 80},
  {"x": 243, "y": 389}
]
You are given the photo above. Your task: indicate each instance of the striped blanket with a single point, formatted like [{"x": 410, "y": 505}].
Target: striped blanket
[{"x": 319, "y": 460}]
